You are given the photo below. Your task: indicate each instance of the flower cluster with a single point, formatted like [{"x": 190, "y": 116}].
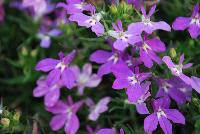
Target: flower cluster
[{"x": 133, "y": 54}]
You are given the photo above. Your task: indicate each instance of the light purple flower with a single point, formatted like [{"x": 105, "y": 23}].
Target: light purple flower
[
  {"x": 148, "y": 49},
  {"x": 136, "y": 3},
  {"x": 59, "y": 69},
  {"x": 176, "y": 89},
  {"x": 107, "y": 59},
  {"x": 74, "y": 6},
  {"x": 109, "y": 131},
  {"x": 40, "y": 7},
  {"x": 51, "y": 93},
  {"x": 97, "y": 109},
  {"x": 147, "y": 25},
  {"x": 192, "y": 24},
  {"x": 123, "y": 38},
  {"x": 85, "y": 78},
  {"x": 177, "y": 70},
  {"x": 92, "y": 21},
  {"x": 65, "y": 116},
  {"x": 126, "y": 78},
  {"x": 138, "y": 96},
  {"x": 195, "y": 83},
  {"x": 162, "y": 115},
  {"x": 45, "y": 36}
]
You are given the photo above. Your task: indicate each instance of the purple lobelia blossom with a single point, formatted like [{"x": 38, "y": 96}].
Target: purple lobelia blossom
[
  {"x": 148, "y": 49},
  {"x": 40, "y": 7},
  {"x": 147, "y": 25},
  {"x": 177, "y": 70},
  {"x": 100, "y": 107},
  {"x": 109, "y": 131},
  {"x": 92, "y": 21},
  {"x": 107, "y": 59},
  {"x": 123, "y": 38},
  {"x": 191, "y": 23},
  {"x": 65, "y": 115},
  {"x": 176, "y": 89},
  {"x": 162, "y": 114},
  {"x": 138, "y": 97},
  {"x": 136, "y": 3},
  {"x": 85, "y": 78},
  {"x": 195, "y": 83},
  {"x": 59, "y": 69},
  {"x": 2, "y": 12},
  {"x": 45, "y": 36},
  {"x": 74, "y": 6},
  {"x": 126, "y": 78},
  {"x": 51, "y": 93}
]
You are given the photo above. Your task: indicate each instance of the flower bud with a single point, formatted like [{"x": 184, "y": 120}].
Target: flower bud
[
  {"x": 173, "y": 53},
  {"x": 5, "y": 122},
  {"x": 16, "y": 116}
]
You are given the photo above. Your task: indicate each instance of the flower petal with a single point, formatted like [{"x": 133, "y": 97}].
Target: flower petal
[
  {"x": 150, "y": 123},
  {"x": 46, "y": 64},
  {"x": 100, "y": 56},
  {"x": 68, "y": 78},
  {"x": 175, "y": 116},
  {"x": 181, "y": 23},
  {"x": 58, "y": 121},
  {"x": 52, "y": 97}
]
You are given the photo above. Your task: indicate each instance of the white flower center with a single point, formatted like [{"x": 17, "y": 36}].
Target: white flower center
[
  {"x": 160, "y": 113},
  {"x": 80, "y": 6},
  {"x": 146, "y": 21},
  {"x": 140, "y": 101},
  {"x": 61, "y": 66},
  {"x": 146, "y": 47},
  {"x": 166, "y": 87},
  {"x": 196, "y": 20},
  {"x": 177, "y": 69},
  {"x": 83, "y": 79},
  {"x": 94, "y": 19},
  {"x": 133, "y": 79},
  {"x": 114, "y": 58}
]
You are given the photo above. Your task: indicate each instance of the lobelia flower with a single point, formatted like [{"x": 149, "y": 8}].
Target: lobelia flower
[
  {"x": 195, "y": 83},
  {"x": 109, "y": 131},
  {"x": 175, "y": 88},
  {"x": 85, "y": 78},
  {"x": 45, "y": 36},
  {"x": 65, "y": 115},
  {"x": 2, "y": 12},
  {"x": 51, "y": 93},
  {"x": 148, "y": 49},
  {"x": 74, "y": 6},
  {"x": 147, "y": 25},
  {"x": 126, "y": 78},
  {"x": 123, "y": 38},
  {"x": 100, "y": 107},
  {"x": 136, "y": 3},
  {"x": 40, "y": 7},
  {"x": 92, "y": 21},
  {"x": 192, "y": 24},
  {"x": 162, "y": 115},
  {"x": 107, "y": 59},
  {"x": 138, "y": 97},
  {"x": 59, "y": 69},
  {"x": 177, "y": 70}
]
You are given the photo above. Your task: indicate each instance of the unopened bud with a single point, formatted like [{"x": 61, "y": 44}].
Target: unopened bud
[
  {"x": 17, "y": 115},
  {"x": 172, "y": 53},
  {"x": 5, "y": 122}
]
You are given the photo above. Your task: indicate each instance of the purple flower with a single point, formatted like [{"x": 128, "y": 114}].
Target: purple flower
[
  {"x": 126, "y": 78},
  {"x": 107, "y": 59},
  {"x": 176, "y": 89},
  {"x": 109, "y": 131},
  {"x": 192, "y": 24},
  {"x": 2, "y": 12},
  {"x": 51, "y": 93},
  {"x": 74, "y": 6},
  {"x": 195, "y": 83},
  {"x": 45, "y": 36},
  {"x": 100, "y": 107},
  {"x": 148, "y": 49},
  {"x": 136, "y": 3},
  {"x": 177, "y": 70},
  {"x": 65, "y": 115},
  {"x": 138, "y": 97},
  {"x": 59, "y": 69},
  {"x": 92, "y": 21},
  {"x": 162, "y": 115},
  {"x": 85, "y": 78},
  {"x": 123, "y": 38},
  {"x": 147, "y": 25}
]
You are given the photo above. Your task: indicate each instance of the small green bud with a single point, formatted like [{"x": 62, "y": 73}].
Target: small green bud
[
  {"x": 34, "y": 53},
  {"x": 17, "y": 115},
  {"x": 113, "y": 9},
  {"x": 24, "y": 51},
  {"x": 5, "y": 122},
  {"x": 173, "y": 53}
]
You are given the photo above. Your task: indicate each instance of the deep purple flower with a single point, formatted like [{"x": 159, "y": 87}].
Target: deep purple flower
[
  {"x": 92, "y": 21},
  {"x": 107, "y": 59},
  {"x": 109, "y": 131},
  {"x": 147, "y": 25},
  {"x": 123, "y": 38},
  {"x": 65, "y": 115},
  {"x": 136, "y": 3},
  {"x": 126, "y": 78},
  {"x": 176, "y": 89},
  {"x": 97, "y": 109},
  {"x": 2, "y": 12},
  {"x": 148, "y": 49},
  {"x": 45, "y": 36},
  {"x": 192, "y": 24},
  {"x": 138, "y": 97},
  {"x": 59, "y": 69},
  {"x": 51, "y": 93},
  {"x": 177, "y": 70},
  {"x": 162, "y": 115},
  {"x": 85, "y": 78},
  {"x": 74, "y": 6}
]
